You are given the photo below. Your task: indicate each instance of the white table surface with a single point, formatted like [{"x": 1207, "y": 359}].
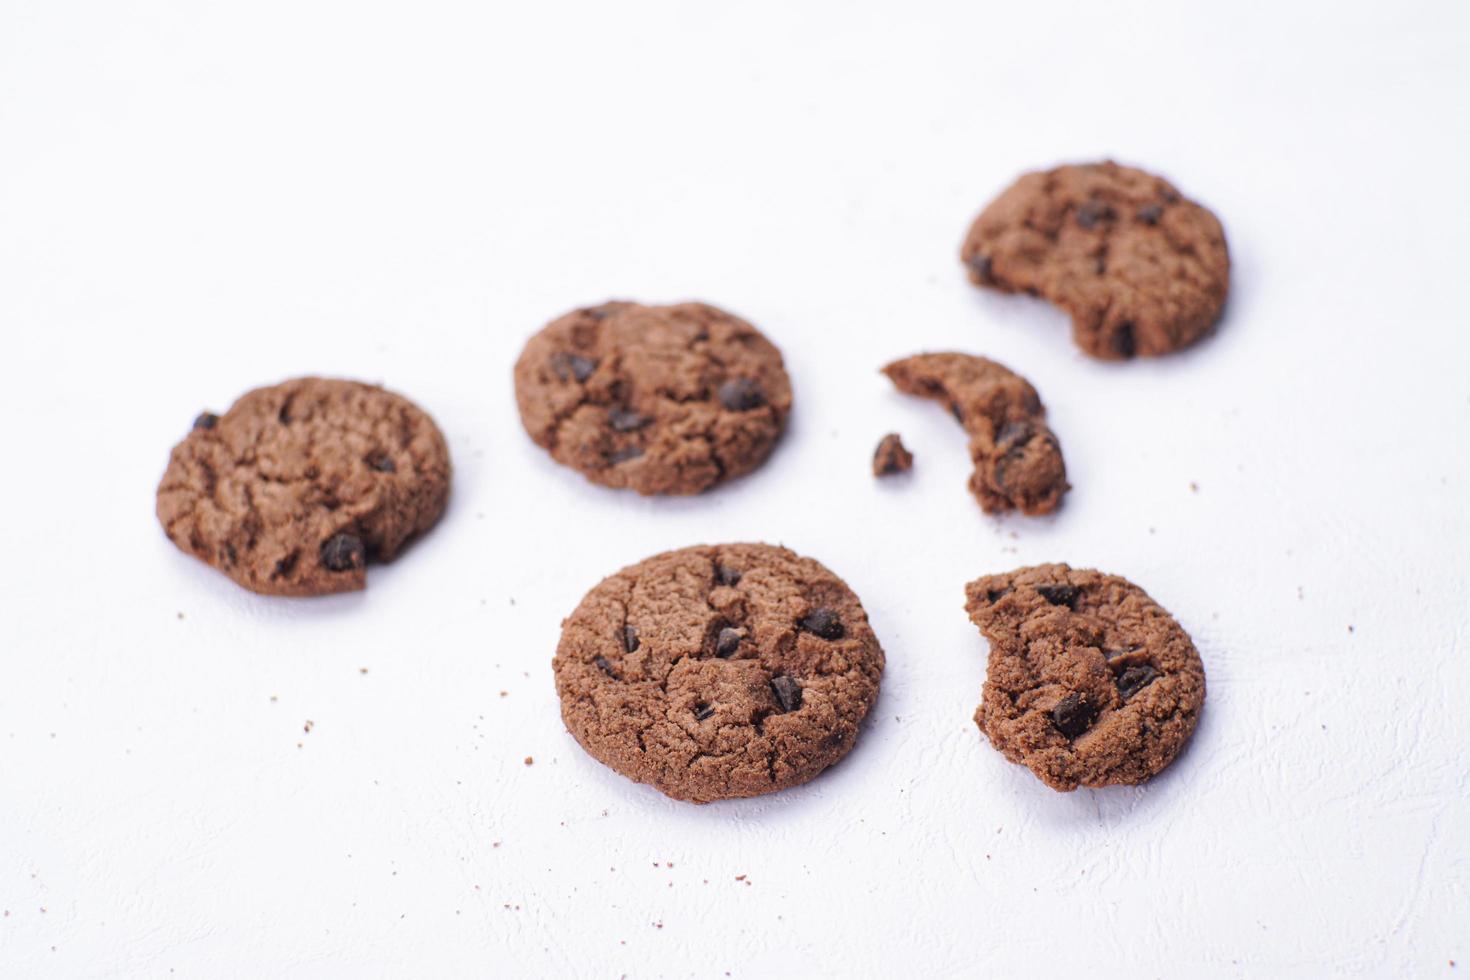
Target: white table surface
[{"x": 199, "y": 198}]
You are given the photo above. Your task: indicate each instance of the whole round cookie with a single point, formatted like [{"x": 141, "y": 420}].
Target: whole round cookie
[
  {"x": 1140, "y": 269},
  {"x": 719, "y": 671},
  {"x": 298, "y": 486},
  {"x": 1090, "y": 682},
  {"x": 662, "y": 399}
]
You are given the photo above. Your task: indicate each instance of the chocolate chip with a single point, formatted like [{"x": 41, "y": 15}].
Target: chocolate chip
[
  {"x": 981, "y": 266},
  {"x": 891, "y": 456},
  {"x": 383, "y": 463},
  {"x": 741, "y": 394},
  {"x": 626, "y": 420},
  {"x": 630, "y": 638},
  {"x": 1014, "y": 434},
  {"x": 726, "y": 575},
  {"x": 286, "y": 565},
  {"x": 1059, "y": 595},
  {"x": 1135, "y": 679},
  {"x": 624, "y": 454},
  {"x": 787, "y": 691},
  {"x": 342, "y": 552},
  {"x": 702, "y": 711},
  {"x": 995, "y": 595},
  {"x": 1093, "y": 212},
  {"x": 728, "y": 642},
  {"x": 1073, "y": 715},
  {"x": 824, "y": 622},
  {"x": 1124, "y": 343},
  {"x": 572, "y": 366},
  {"x": 1150, "y": 214},
  {"x": 205, "y": 420},
  {"x": 606, "y": 667}
]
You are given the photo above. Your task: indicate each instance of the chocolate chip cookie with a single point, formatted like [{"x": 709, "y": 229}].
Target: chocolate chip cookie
[
  {"x": 662, "y": 399},
  {"x": 1090, "y": 682},
  {"x": 1141, "y": 269},
  {"x": 719, "y": 671},
  {"x": 1018, "y": 461},
  {"x": 298, "y": 486}
]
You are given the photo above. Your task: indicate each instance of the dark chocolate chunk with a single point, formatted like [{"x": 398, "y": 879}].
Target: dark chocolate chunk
[
  {"x": 343, "y": 551},
  {"x": 1135, "y": 679},
  {"x": 1124, "y": 342},
  {"x": 624, "y": 454},
  {"x": 205, "y": 420},
  {"x": 606, "y": 667},
  {"x": 1073, "y": 715},
  {"x": 726, "y": 575},
  {"x": 1150, "y": 214},
  {"x": 741, "y": 394},
  {"x": 981, "y": 265},
  {"x": 824, "y": 623},
  {"x": 702, "y": 711},
  {"x": 728, "y": 641},
  {"x": 383, "y": 463},
  {"x": 787, "y": 691},
  {"x": 995, "y": 595},
  {"x": 287, "y": 565},
  {"x": 1059, "y": 595},
  {"x": 1014, "y": 434},
  {"x": 630, "y": 638},
  {"x": 1093, "y": 212},
  {"x": 572, "y": 366},
  {"x": 626, "y": 420}
]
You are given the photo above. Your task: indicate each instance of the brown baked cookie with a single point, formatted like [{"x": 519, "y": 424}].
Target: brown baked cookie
[
  {"x": 1090, "y": 682},
  {"x": 298, "y": 486},
  {"x": 1018, "y": 462},
  {"x": 719, "y": 671},
  {"x": 892, "y": 456},
  {"x": 662, "y": 399},
  {"x": 1140, "y": 269}
]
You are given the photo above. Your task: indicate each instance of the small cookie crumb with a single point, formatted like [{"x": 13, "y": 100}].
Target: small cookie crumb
[
  {"x": 529, "y": 760},
  {"x": 891, "y": 456}
]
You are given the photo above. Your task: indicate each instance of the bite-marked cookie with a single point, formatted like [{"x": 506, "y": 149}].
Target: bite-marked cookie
[
  {"x": 1141, "y": 269},
  {"x": 720, "y": 671},
  {"x": 1018, "y": 461},
  {"x": 1090, "y": 682},
  {"x": 662, "y": 399},
  {"x": 892, "y": 456},
  {"x": 299, "y": 485}
]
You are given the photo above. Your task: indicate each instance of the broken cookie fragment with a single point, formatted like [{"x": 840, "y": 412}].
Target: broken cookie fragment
[
  {"x": 1089, "y": 681},
  {"x": 1141, "y": 270},
  {"x": 891, "y": 456},
  {"x": 1018, "y": 461}
]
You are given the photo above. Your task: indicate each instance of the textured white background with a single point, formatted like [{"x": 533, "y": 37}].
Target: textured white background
[{"x": 199, "y": 198}]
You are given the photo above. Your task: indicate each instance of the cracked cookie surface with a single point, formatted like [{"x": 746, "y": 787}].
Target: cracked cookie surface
[
  {"x": 1018, "y": 461},
  {"x": 1140, "y": 269},
  {"x": 299, "y": 485},
  {"x": 716, "y": 672},
  {"x": 1089, "y": 682},
  {"x": 659, "y": 399}
]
